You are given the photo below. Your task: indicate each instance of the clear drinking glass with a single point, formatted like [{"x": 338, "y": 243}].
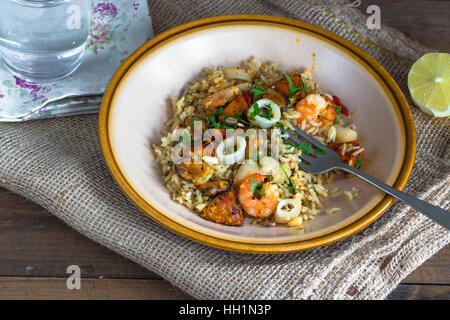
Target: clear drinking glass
[{"x": 43, "y": 39}]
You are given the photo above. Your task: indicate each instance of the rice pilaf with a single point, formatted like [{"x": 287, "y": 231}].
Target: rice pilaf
[{"x": 305, "y": 191}]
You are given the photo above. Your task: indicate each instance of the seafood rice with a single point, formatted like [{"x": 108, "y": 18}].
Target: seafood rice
[{"x": 251, "y": 175}]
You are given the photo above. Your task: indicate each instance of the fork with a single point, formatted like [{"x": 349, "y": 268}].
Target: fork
[{"x": 329, "y": 160}]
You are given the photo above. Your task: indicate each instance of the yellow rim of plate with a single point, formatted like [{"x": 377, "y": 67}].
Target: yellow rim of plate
[{"x": 293, "y": 246}]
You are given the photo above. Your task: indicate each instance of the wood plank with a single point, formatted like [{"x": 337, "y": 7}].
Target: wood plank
[
  {"x": 423, "y": 21},
  {"x": 35, "y": 243},
  {"x": 420, "y": 292},
  {"x": 136, "y": 289},
  {"x": 435, "y": 270},
  {"x": 102, "y": 289}
]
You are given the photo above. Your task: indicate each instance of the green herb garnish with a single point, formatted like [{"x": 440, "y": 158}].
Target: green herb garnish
[
  {"x": 216, "y": 124},
  {"x": 293, "y": 90},
  {"x": 338, "y": 109},
  {"x": 195, "y": 120},
  {"x": 268, "y": 114},
  {"x": 319, "y": 151},
  {"x": 257, "y": 187},
  {"x": 249, "y": 132},
  {"x": 255, "y": 111},
  {"x": 186, "y": 139},
  {"x": 358, "y": 162},
  {"x": 259, "y": 90},
  {"x": 291, "y": 185},
  {"x": 238, "y": 117},
  {"x": 291, "y": 104},
  {"x": 255, "y": 157},
  {"x": 305, "y": 147}
]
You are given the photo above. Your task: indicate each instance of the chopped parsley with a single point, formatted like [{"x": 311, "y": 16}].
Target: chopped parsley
[
  {"x": 291, "y": 185},
  {"x": 291, "y": 103},
  {"x": 195, "y": 120},
  {"x": 257, "y": 188},
  {"x": 249, "y": 132},
  {"x": 319, "y": 151},
  {"x": 358, "y": 162},
  {"x": 238, "y": 117},
  {"x": 186, "y": 139},
  {"x": 254, "y": 112},
  {"x": 305, "y": 147},
  {"x": 265, "y": 112},
  {"x": 338, "y": 109},
  {"x": 259, "y": 90},
  {"x": 217, "y": 124},
  {"x": 255, "y": 157},
  {"x": 268, "y": 114},
  {"x": 293, "y": 90}
]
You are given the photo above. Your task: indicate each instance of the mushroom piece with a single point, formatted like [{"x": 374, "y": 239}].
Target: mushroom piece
[
  {"x": 197, "y": 173},
  {"x": 224, "y": 209},
  {"x": 213, "y": 188}
]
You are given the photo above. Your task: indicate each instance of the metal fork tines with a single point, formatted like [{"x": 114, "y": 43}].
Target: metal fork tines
[
  {"x": 317, "y": 162},
  {"x": 328, "y": 159}
]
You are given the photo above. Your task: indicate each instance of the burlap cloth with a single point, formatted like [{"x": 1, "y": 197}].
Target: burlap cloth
[{"x": 58, "y": 164}]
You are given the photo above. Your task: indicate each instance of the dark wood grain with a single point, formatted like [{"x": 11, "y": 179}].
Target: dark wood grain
[
  {"x": 420, "y": 292},
  {"x": 36, "y": 248},
  {"x": 422, "y": 20},
  {"x": 98, "y": 289},
  {"x": 34, "y": 243}
]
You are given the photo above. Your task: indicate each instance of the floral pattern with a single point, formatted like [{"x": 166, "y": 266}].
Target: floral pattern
[
  {"x": 104, "y": 12},
  {"x": 36, "y": 92},
  {"x": 99, "y": 36},
  {"x": 100, "y": 28}
]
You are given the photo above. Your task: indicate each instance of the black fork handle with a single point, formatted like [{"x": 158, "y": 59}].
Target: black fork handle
[{"x": 439, "y": 215}]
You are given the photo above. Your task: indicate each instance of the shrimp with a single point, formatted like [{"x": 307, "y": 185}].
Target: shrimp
[
  {"x": 221, "y": 97},
  {"x": 316, "y": 110},
  {"x": 265, "y": 202}
]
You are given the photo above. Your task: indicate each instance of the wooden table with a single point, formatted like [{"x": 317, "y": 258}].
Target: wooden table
[{"x": 36, "y": 248}]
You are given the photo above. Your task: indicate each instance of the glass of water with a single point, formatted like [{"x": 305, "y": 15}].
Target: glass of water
[{"x": 42, "y": 40}]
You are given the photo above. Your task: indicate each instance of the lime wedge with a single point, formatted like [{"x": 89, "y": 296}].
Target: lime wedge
[{"x": 429, "y": 84}]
